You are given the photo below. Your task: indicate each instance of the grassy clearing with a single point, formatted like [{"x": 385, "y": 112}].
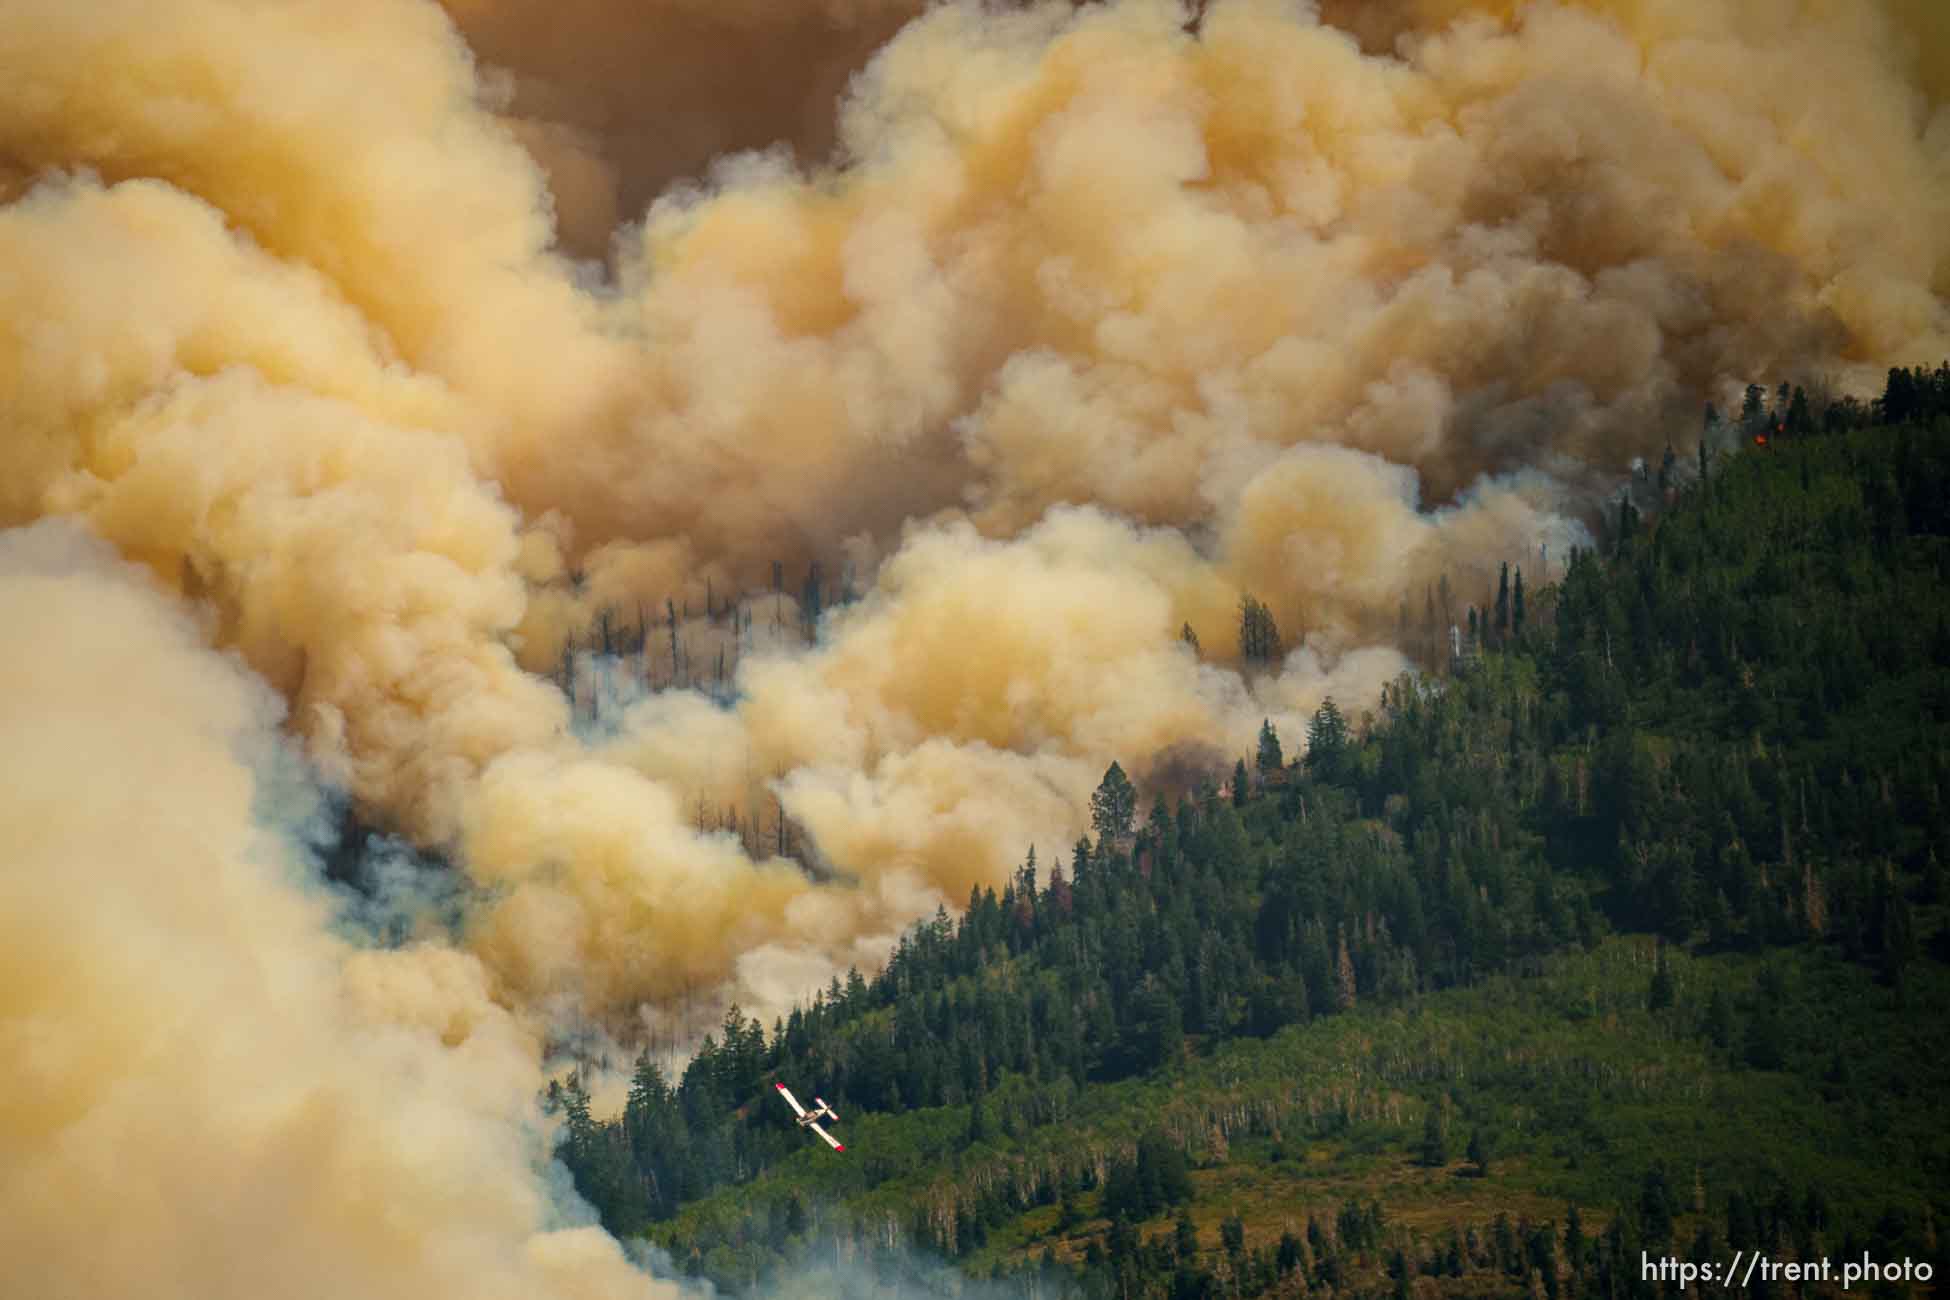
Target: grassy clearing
[{"x": 1578, "y": 1088}]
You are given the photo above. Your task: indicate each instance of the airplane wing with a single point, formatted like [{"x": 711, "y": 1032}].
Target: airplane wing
[
  {"x": 791, "y": 1100},
  {"x": 828, "y": 1136}
]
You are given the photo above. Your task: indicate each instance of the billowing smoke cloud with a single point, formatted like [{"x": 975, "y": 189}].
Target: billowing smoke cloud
[
  {"x": 202, "y": 1093},
  {"x": 1105, "y": 323},
  {"x": 617, "y": 99}
]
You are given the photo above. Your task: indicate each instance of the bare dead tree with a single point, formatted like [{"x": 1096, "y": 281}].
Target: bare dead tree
[{"x": 670, "y": 608}]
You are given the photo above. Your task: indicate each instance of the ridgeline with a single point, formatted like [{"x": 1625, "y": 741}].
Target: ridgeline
[{"x": 1619, "y": 929}]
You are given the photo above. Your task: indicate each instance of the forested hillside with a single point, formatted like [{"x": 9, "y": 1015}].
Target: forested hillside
[{"x": 1631, "y": 902}]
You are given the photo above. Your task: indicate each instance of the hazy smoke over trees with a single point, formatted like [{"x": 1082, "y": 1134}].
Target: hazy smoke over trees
[{"x": 1106, "y": 324}]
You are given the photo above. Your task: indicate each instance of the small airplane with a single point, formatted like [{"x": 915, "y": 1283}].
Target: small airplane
[{"x": 810, "y": 1119}]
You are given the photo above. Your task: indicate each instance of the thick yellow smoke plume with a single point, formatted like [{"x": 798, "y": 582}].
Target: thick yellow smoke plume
[
  {"x": 202, "y": 1093},
  {"x": 1110, "y": 319}
]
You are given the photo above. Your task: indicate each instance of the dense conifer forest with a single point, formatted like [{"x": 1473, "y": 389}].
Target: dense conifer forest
[{"x": 1618, "y": 927}]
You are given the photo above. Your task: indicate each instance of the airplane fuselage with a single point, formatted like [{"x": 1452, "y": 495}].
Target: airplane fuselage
[{"x": 810, "y": 1118}]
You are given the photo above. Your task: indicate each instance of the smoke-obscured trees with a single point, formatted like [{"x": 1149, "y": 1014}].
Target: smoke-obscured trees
[
  {"x": 1477, "y": 823},
  {"x": 1259, "y": 635}
]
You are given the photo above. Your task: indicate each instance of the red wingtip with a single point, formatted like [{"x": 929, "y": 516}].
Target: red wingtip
[
  {"x": 839, "y": 1146},
  {"x": 779, "y": 1086}
]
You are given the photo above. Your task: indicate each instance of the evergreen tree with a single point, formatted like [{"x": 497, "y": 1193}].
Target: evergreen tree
[
  {"x": 1718, "y": 1025},
  {"x": 1899, "y": 948},
  {"x": 1435, "y": 1137},
  {"x": 1517, "y": 605},
  {"x": 1289, "y": 1256},
  {"x": 1186, "y": 1236},
  {"x": 1503, "y": 601},
  {"x": 1270, "y": 757},
  {"x": 1114, "y": 806},
  {"x": 1160, "y": 1027},
  {"x": 1628, "y": 524},
  {"x": 1479, "y": 1153},
  {"x": 578, "y": 1128},
  {"x": 1661, "y": 994},
  {"x": 1762, "y": 1050},
  {"x": 978, "y": 1124},
  {"x": 1753, "y": 410},
  {"x": 1327, "y": 740},
  {"x": 1898, "y": 403},
  {"x": 1656, "y": 1207},
  {"x": 1800, "y": 420}
]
